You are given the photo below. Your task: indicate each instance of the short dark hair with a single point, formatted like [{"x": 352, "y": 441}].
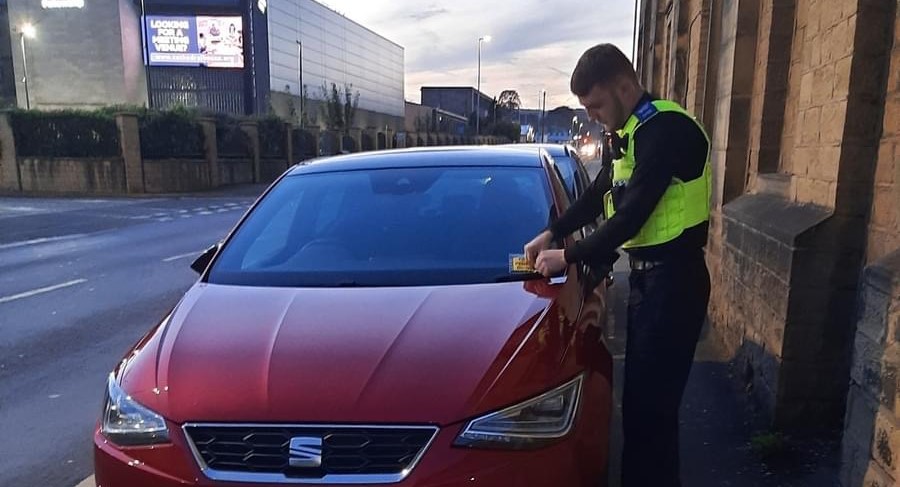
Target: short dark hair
[{"x": 600, "y": 65}]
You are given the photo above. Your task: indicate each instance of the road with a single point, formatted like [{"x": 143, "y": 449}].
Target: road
[{"x": 80, "y": 281}]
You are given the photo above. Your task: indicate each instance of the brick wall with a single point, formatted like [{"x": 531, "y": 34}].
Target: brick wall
[
  {"x": 871, "y": 440},
  {"x": 131, "y": 173},
  {"x": 176, "y": 175},
  {"x": 825, "y": 39},
  {"x": 884, "y": 226},
  {"x": 235, "y": 171},
  {"x": 795, "y": 91},
  {"x": 73, "y": 175}
]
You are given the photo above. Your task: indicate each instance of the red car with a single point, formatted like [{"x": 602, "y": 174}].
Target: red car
[{"x": 369, "y": 321}]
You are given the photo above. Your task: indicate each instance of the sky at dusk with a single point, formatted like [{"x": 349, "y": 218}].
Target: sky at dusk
[{"x": 535, "y": 43}]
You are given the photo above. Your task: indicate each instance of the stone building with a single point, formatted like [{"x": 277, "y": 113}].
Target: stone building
[{"x": 802, "y": 101}]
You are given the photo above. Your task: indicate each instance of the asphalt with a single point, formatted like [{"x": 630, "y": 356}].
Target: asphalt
[{"x": 81, "y": 280}]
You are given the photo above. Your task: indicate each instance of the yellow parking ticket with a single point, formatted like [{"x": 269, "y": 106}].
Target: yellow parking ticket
[{"x": 518, "y": 263}]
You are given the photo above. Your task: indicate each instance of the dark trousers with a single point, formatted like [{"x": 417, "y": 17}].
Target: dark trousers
[{"x": 666, "y": 310}]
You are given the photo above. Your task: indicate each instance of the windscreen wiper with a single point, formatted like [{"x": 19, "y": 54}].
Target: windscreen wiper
[{"x": 524, "y": 276}]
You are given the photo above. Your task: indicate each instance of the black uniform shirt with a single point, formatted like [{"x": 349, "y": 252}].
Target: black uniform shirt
[{"x": 668, "y": 145}]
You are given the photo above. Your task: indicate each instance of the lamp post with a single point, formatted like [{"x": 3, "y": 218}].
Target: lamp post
[
  {"x": 27, "y": 30},
  {"x": 478, "y": 89},
  {"x": 543, "y": 103}
]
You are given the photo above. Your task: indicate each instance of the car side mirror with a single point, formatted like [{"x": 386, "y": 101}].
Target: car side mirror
[{"x": 201, "y": 263}]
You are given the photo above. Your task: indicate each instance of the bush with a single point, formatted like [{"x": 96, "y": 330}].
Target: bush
[
  {"x": 271, "y": 137},
  {"x": 65, "y": 133},
  {"x": 304, "y": 145},
  {"x": 231, "y": 141},
  {"x": 171, "y": 134}
]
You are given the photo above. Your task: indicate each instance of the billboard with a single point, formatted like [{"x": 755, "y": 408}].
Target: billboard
[{"x": 216, "y": 42}]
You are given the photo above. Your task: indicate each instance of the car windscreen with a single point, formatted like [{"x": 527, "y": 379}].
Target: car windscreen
[{"x": 388, "y": 227}]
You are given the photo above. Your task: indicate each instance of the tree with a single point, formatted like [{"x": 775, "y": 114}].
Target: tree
[
  {"x": 510, "y": 130},
  {"x": 307, "y": 117},
  {"x": 351, "y": 104},
  {"x": 508, "y": 104},
  {"x": 339, "y": 107}
]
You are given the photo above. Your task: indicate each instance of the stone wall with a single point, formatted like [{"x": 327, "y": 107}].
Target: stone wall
[
  {"x": 800, "y": 100},
  {"x": 131, "y": 173},
  {"x": 73, "y": 175},
  {"x": 871, "y": 440},
  {"x": 176, "y": 175}
]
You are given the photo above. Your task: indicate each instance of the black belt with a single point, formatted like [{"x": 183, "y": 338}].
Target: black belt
[{"x": 643, "y": 265}]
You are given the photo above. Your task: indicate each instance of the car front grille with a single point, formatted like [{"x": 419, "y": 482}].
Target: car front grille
[{"x": 339, "y": 454}]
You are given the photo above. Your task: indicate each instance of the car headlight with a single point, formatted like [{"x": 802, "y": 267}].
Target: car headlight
[
  {"x": 125, "y": 422},
  {"x": 530, "y": 424}
]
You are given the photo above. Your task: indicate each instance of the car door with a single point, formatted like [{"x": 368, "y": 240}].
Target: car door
[{"x": 582, "y": 296}]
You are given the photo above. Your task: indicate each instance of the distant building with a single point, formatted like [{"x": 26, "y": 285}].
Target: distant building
[
  {"x": 423, "y": 118},
  {"x": 459, "y": 100},
  {"x": 233, "y": 56}
]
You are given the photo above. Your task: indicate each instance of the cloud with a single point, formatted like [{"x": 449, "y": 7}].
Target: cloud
[
  {"x": 428, "y": 12},
  {"x": 535, "y": 43}
]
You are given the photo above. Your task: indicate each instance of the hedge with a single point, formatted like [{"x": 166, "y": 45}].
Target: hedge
[
  {"x": 304, "y": 145},
  {"x": 231, "y": 141},
  {"x": 65, "y": 133},
  {"x": 271, "y": 137},
  {"x": 170, "y": 134}
]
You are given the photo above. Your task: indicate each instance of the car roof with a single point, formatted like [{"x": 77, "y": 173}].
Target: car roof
[
  {"x": 422, "y": 157},
  {"x": 555, "y": 150}
]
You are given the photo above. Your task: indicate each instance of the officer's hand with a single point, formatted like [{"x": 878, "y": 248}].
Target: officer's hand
[
  {"x": 538, "y": 244},
  {"x": 550, "y": 262}
]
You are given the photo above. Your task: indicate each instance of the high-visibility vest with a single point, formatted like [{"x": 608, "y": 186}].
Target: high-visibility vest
[{"x": 685, "y": 204}]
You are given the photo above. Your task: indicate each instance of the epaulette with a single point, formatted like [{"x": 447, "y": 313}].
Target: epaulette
[{"x": 645, "y": 111}]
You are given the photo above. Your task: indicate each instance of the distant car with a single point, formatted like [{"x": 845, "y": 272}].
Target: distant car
[{"x": 369, "y": 322}]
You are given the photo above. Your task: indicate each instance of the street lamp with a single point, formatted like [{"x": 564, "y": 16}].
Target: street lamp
[
  {"x": 478, "y": 89},
  {"x": 27, "y": 30}
]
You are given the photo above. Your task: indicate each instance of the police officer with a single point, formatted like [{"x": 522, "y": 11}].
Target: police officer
[{"x": 658, "y": 212}]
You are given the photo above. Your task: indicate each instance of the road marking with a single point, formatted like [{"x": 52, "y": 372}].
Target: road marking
[
  {"x": 180, "y": 256},
  {"x": 42, "y": 290},
  {"x": 36, "y": 241},
  {"x": 88, "y": 482}
]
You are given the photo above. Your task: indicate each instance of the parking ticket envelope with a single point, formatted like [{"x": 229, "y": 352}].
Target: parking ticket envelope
[{"x": 518, "y": 263}]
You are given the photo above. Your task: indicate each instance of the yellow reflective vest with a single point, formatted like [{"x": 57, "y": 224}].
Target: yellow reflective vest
[{"x": 684, "y": 204}]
